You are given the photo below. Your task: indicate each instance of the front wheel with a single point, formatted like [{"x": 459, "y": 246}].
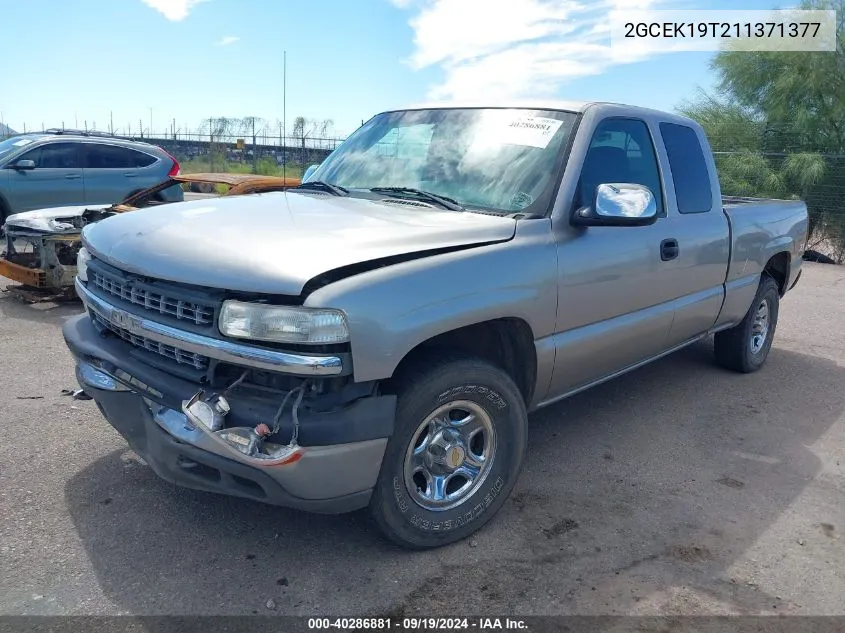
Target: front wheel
[
  {"x": 456, "y": 452},
  {"x": 745, "y": 347}
]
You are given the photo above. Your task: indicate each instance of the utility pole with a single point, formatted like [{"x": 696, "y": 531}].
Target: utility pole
[
  {"x": 151, "y": 123},
  {"x": 141, "y": 127},
  {"x": 254, "y": 150},
  {"x": 284, "y": 112},
  {"x": 111, "y": 122},
  {"x": 3, "y": 125}
]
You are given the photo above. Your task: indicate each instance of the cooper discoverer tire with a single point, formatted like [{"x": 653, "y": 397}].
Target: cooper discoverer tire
[
  {"x": 745, "y": 347},
  {"x": 456, "y": 452}
]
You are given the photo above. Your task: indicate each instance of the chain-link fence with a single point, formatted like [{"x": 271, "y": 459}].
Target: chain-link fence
[
  {"x": 221, "y": 152},
  {"x": 779, "y": 162}
]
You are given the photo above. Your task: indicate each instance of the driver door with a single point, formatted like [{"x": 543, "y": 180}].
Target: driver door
[{"x": 616, "y": 292}]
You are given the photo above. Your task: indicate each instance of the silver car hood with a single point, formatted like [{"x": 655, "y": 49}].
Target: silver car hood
[
  {"x": 41, "y": 219},
  {"x": 276, "y": 242}
]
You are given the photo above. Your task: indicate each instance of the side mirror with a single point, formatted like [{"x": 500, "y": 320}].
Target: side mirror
[
  {"x": 619, "y": 204},
  {"x": 24, "y": 165},
  {"x": 311, "y": 169}
]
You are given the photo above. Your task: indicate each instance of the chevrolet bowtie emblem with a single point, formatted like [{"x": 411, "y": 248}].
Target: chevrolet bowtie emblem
[{"x": 123, "y": 319}]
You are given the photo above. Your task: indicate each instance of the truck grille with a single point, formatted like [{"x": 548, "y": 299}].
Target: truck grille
[
  {"x": 197, "y": 361},
  {"x": 147, "y": 298}
]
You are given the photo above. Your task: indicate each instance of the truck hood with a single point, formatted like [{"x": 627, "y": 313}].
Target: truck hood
[
  {"x": 50, "y": 220},
  {"x": 276, "y": 242}
]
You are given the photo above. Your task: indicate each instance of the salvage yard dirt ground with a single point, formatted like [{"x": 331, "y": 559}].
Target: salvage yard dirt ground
[{"x": 680, "y": 488}]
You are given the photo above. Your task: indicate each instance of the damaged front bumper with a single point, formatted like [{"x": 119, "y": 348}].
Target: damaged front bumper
[{"x": 331, "y": 469}]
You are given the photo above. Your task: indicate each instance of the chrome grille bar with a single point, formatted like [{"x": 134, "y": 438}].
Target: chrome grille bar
[
  {"x": 197, "y": 361},
  {"x": 226, "y": 351},
  {"x": 172, "y": 306}
]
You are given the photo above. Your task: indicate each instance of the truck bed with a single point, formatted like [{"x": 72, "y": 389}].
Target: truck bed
[
  {"x": 761, "y": 227},
  {"x": 744, "y": 201}
]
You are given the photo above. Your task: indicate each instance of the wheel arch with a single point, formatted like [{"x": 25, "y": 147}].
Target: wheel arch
[
  {"x": 507, "y": 343},
  {"x": 778, "y": 268}
]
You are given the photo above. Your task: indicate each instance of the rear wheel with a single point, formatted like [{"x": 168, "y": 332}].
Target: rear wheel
[
  {"x": 202, "y": 187},
  {"x": 746, "y": 346},
  {"x": 455, "y": 454}
]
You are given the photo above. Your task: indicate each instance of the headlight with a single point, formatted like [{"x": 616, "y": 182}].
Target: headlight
[
  {"x": 82, "y": 259},
  {"x": 282, "y": 324}
]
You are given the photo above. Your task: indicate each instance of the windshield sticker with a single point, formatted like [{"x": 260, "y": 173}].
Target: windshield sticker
[
  {"x": 532, "y": 131},
  {"x": 499, "y": 129}
]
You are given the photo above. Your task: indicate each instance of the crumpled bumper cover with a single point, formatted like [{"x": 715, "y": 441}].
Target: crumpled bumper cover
[{"x": 142, "y": 404}]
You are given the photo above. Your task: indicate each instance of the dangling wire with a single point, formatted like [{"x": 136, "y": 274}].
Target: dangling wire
[
  {"x": 300, "y": 393},
  {"x": 236, "y": 383},
  {"x": 295, "y": 435},
  {"x": 277, "y": 419}
]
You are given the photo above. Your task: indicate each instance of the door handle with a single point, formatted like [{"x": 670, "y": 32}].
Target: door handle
[
  {"x": 130, "y": 174},
  {"x": 669, "y": 249},
  {"x": 73, "y": 176}
]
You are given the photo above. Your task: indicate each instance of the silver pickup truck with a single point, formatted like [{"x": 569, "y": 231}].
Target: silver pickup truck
[{"x": 377, "y": 336}]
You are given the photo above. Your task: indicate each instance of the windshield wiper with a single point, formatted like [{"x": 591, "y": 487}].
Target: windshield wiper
[
  {"x": 318, "y": 185},
  {"x": 443, "y": 201}
]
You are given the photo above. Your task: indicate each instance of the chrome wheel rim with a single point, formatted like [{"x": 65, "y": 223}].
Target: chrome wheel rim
[
  {"x": 760, "y": 327},
  {"x": 450, "y": 455}
]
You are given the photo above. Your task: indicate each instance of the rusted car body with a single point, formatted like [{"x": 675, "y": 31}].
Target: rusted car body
[{"x": 41, "y": 246}]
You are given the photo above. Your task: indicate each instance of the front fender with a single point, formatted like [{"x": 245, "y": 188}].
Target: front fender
[{"x": 393, "y": 309}]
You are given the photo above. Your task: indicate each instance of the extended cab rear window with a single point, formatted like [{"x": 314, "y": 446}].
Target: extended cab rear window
[{"x": 689, "y": 169}]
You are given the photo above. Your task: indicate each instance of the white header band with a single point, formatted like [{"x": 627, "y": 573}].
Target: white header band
[{"x": 666, "y": 31}]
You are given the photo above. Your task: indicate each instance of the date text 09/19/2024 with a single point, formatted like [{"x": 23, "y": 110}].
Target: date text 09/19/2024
[{"x": 417, "y": 624}]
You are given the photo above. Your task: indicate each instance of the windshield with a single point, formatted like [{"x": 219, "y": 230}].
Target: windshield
[
  {"x": 15, "y": 143},
  {"x": 504, "y": 160}
]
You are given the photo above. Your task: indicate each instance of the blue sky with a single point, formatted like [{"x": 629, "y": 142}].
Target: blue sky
[{"x": 187, "y": 60}]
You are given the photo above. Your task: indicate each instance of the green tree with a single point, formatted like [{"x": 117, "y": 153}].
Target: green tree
[
  {"x": 799, "y": 91},
  {"x": 777, "y": 126}
]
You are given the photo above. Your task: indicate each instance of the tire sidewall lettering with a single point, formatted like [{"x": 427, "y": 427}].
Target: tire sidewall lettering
[
  {"x": 485, "y": 392},
  {"x": 401, "y": 500},
  {"x": 461, "y": 520}
]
